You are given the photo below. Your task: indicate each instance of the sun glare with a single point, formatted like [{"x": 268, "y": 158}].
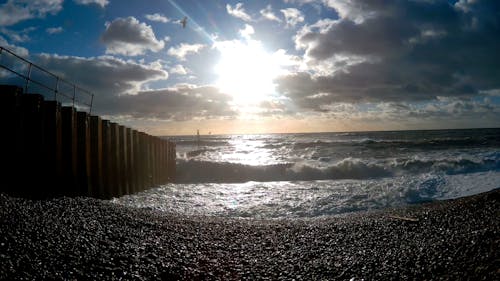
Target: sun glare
[{"x": 246, "y": 71}]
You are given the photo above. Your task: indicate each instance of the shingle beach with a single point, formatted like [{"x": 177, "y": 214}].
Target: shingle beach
[{"x": 84, "y": 238}]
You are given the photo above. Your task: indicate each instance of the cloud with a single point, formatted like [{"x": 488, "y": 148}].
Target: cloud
[
  {"x": 108, "y": 77},
  {"x": 238, "y": 12},
  {"x": 178, "y": 69},
  {"x": 405, "y": 51},
  {"x": 17, "y": 35},
  {"x": 180, "y": 103},
  {"x": 182, "y": 50},
  {"x": 54, "y": 30},
  {"x": 20, "y": 51},
  {"x": 268, "y": 14},
  {"x": 14, "y": 11},
  {"x": 118, "y": 85},
  {"x": 292, "y": 16},
  {"x": 127, "y": 36},
  {"x": 101, "y": 3},
  {"x": 247, "y": 32},
  {"x": 157, "y": 17}
]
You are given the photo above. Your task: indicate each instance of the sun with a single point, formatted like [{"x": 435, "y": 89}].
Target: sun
[{"x": 246, "y": 71}]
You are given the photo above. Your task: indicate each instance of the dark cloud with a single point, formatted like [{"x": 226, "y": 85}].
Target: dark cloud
[
  {"x": 107, "y": 77},
  {"x": 182, "y": 103},
  {"x": 128, "y": 36},
  {"x": 406, "y": 51},
  {"x": 117, "y": 86}
]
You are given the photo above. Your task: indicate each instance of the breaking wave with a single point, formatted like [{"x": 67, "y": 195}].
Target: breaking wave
[{"x": 196, "y": 171}]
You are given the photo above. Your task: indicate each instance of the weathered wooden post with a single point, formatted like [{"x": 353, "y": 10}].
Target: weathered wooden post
[
  {"x": 130, "y": 160},
  {"x": 32, "y": 152},
  {"x": 135, "y": 161},
  {"x": 96, "y": 157},
  {"x": 144, "y": 161},
  {"x": 163, "y": 168},
  {"x": 69, "y": 151},
  {"x": 53, "y": 148},
  {"x": 122, "y": 160},
  {"x": 154, "y": 156},
  {"x": 11, "y": 123},
  {"x": 83, "y": 154},
  {"x": 108, "y": 176},
  {"x": 172, "y": 158},
  {"x": 115, "y": 160}
]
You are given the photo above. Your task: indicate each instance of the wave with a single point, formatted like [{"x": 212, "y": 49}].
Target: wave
[
  {"x": 436, "y": 143},
  {"x": 195, "y": 171}
]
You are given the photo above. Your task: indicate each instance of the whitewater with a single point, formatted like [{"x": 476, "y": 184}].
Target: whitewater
[{"x": 322, "y": 174}]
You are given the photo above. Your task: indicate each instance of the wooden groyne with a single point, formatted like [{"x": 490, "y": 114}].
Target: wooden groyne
[{"x": 51, "y": 150}]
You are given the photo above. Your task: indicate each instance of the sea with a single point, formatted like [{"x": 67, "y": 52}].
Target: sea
[{"x": 312, "y": 175}]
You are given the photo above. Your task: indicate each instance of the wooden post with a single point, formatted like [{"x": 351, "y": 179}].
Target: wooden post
[
  {"x": 69, "y": 151},
  {"x": 172, "y": 162},
  {"x": 11, "y": 124},
  {"x": 83, "y": 148},
  {"x": 32, "y": 152},
  {"x": 96, "y": 157},
  {"x": 123, "y": 160},
  {"x": 108, "y": 176},
  {"x": 115, "y": 158},
  {"x": 163, "y": 168},
  {"x": 137, "y": 165},
  {"x": 53, "y": 148},
  {"x": 130, "y": 160}
]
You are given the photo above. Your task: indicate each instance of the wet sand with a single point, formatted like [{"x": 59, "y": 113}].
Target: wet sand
[{"x": 84, "y": 238}]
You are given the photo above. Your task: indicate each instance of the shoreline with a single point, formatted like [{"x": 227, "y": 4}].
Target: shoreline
[{"x": 85, "y": 238}]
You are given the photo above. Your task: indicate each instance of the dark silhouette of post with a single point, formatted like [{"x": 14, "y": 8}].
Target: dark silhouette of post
[
  {"x": 109, "y": 177},
  {"x": 11, "y": 124},
  {"x": 123, "y": 160},
  {"x": 32, "y": 151},
  {"x": 115, "y": 159},
  {"x": 83, "y": 147},
  {"x": 53, "y": 148},
  {"x": 96, "y": 158},
  {"x": 69, "y": 151}
]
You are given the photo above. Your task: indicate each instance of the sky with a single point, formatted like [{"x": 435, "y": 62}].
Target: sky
[{"x": 279, "y": 66}]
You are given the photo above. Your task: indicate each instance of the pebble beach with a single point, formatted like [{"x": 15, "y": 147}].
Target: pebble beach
[{"x": 90, "y": 239}]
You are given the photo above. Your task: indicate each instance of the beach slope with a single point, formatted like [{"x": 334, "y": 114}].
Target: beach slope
[{"x": 84, "y": 238}]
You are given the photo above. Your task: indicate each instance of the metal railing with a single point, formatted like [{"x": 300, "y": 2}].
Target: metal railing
[{"x": 69, "y": 93}]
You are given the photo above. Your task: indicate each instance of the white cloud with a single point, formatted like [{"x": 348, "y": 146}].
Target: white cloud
[
  {"x": 157, "y": 17},
  {"x": 101, "y": 3},
  {"x": 127, "y": 36},
  {"x": 23, "y": 52},
  {"x": 178, "y": 69},
  {"x": 14, "y": 11},
  {"x": 238, "y": 12},
  {"x": 17, "y": 35},
  {"x": 183, "y": 50},
  {"x": 268, "y": 13},
  {"x": 300, "y": 2},
  {"x": 292, "y": 16},
  {"x": 54, "y": 30},
  {"x": 247, "y": 31}
]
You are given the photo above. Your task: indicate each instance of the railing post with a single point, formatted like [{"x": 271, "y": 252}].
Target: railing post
[
  {"x": 57, "y": 88},
  {"x": 91, "y": 101},
  {"x": 28, "y": 79},
  {"x": 74, "y": 95}
]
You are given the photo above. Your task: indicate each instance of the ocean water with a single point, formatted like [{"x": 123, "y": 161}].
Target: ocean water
[{"x": 322, "y": 174}]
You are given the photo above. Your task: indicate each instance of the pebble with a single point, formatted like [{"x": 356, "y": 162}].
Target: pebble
[{"x": 85, "y": 238}]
